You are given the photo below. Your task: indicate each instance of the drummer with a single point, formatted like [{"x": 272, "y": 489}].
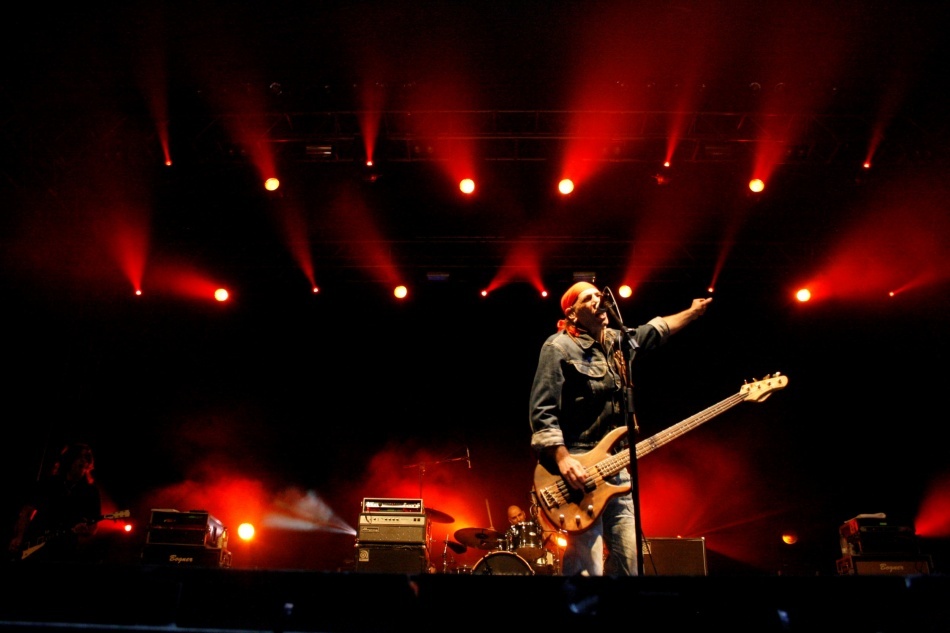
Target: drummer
[
  {"x": 543, "y": 562},
  {"x": 516, "y": 515}
]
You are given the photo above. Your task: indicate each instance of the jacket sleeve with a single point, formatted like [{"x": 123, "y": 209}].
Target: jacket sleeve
[{"x": 545, "y": 400}]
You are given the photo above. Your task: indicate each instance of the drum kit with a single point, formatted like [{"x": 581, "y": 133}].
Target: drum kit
[
  {"x": 525, "y": 549},
  {"x": 522, "y": 550}
]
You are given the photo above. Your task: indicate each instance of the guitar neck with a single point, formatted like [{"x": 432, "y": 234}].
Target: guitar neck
[
  {"x": 663, "y": 437},
  {"x": 613, "y": 464}
]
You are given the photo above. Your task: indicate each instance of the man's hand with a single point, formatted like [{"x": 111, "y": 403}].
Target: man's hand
[
  {"x": 699, "y": 306},
  {"x": 572, "y": 471}
]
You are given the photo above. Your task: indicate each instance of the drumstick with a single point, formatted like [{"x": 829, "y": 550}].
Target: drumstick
[{"x": 488, "y": 510}]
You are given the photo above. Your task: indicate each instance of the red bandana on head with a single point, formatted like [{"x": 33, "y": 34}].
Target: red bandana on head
[{"x": 568, "y": 299}]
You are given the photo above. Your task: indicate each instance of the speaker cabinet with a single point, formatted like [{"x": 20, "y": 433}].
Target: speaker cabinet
[
  {"x": 186, "y": 556},
  {"x": 895, "y": 565},
  {"x": 666, "y": 556},
  {"x": 196, "y": 527},
  {"x": 391, "y": 559}
]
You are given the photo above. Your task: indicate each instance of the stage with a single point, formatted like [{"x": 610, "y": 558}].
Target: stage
[{"x": 168, "y": 598}]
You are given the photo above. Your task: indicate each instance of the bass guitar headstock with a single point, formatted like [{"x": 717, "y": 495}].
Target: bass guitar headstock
[{"x": 759, "y": 390}]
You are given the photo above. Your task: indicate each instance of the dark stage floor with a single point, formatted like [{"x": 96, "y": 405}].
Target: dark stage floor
[{"x": 165, "y": 598}]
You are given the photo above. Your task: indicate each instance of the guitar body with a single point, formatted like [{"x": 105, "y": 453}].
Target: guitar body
[{"x": 575, "y": 510}]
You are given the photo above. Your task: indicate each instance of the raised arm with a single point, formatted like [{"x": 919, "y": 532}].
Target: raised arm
[{"x": 678, "y": 321}]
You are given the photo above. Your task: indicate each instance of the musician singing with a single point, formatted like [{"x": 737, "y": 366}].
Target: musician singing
[{"x": 577, "y": 397}]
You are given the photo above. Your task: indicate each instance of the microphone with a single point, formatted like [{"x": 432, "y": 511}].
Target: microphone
[
  {"x": 609, "y": 305},
  {"x": 468, "y": 458}
]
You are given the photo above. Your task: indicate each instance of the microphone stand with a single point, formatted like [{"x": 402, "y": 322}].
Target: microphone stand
[
  {"x": 423, "y": 465},
  {"x": 422, "y": 473},
  {"x": 628, "y": 348}
]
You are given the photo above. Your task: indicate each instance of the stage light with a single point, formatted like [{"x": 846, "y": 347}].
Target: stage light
[
  {"x": 221, "y": 294},
  {"x": 625, "y": 291},
  {"x": 467, "y": 186},
  {"x": 400, "y": 292},
  {"x": 245, "y": 531},
  {"x": 756, "y": 185},
  {"x": 803, "y": 295},
  {"x": 271, "y": 184},
  {"x": 566, "y": 186}
]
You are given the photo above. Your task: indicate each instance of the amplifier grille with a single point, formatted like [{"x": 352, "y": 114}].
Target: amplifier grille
[{"x": 375, "y": 533}]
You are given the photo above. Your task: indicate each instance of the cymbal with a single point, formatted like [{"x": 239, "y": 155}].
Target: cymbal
[
  {"x": 437, "y": 516},
  {"x": 479, "y": 538}
]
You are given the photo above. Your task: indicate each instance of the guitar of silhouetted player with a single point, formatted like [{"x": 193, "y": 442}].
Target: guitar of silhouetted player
[{"x": 36, "y": 544}]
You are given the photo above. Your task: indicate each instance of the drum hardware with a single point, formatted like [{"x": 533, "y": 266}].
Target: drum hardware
[
  {"x": 546, "y": 565},
  {"x": 458, "y": 548},
  {"x": 481, "y": 538}
]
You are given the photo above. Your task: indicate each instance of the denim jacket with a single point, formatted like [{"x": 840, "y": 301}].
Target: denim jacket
[{"x": 577, "y": 396}]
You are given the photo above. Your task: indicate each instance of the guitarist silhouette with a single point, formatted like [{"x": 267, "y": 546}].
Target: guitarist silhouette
[{"x": 61, "y": 515}]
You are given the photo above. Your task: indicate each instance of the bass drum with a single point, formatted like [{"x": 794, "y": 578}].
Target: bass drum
[{"x": 502, "y": 564}]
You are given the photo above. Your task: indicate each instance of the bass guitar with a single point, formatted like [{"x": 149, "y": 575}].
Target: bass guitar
[
  {"x": 575, "y": 510},
  {"x": 34, "y": 545}
]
